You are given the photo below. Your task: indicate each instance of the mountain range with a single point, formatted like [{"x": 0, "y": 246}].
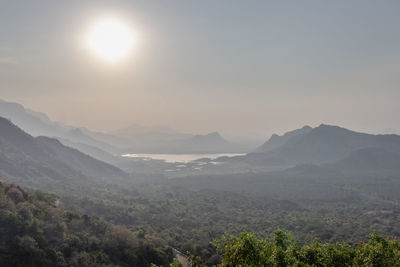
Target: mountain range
[
  {"x": 324, "y": 144},
  {"x": 325, "y": 164},
  {"x": 45, "y": 162},
  {"x": 39, "y": 124},
  {"x": 105, "y": 146}
]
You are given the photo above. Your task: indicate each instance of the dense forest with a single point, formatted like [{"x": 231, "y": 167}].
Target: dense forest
[
  {"x": 247, "y": 250},
  {"x": 199, "y": 133},
  {"x": 191, "y": 220},
  {"x": 35, "y": 232},
  {"x": 103, "y": 215}
]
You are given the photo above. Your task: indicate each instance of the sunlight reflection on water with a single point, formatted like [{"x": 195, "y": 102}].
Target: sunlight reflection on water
[{"x": 184, "y": 158}]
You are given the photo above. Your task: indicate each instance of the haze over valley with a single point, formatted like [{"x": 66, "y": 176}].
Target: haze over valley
[{"x": 199, "y": 133}]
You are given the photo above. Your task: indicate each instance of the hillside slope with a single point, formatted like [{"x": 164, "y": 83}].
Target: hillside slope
[
  {"x": 37, "y": 161},
  {"x": 38, "y": 124},
  {"x": 35, "y": 232},
  {"x": 323, "y": 144},
  {"x": 276, "y": 141}
]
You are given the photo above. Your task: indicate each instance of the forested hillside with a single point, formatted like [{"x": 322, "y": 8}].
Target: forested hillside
[
  {"x": 45, "y": 163},
  {"x": 186, "y": 133},
  {"x": 322, "y": 144},
  {"x": 35, "y": 232},
  {"x": 340, "y": 201}
]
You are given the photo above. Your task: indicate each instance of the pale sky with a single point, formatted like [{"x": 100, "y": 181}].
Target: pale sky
[{"x": 235, "y": 67}]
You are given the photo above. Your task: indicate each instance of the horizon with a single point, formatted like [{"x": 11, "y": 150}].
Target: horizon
[
  {"x": 166, "y": 128},
  {"x": 194, "y": 65},
  {"x": 186, "y": 133}
]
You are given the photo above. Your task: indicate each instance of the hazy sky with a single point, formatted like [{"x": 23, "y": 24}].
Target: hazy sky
[{"x": 199, "y": 66}]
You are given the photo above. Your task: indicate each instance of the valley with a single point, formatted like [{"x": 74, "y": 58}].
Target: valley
[
  {"x": 199, "y": 133},
  {"x": 343, "y": 197}
]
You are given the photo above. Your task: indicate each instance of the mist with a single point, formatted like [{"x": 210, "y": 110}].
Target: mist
[
  {"x": 199, "y": 133},
  {"x": 236, "y": 68}
]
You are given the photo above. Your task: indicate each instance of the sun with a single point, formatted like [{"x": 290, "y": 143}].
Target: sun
[{"x": 110, "y": 39}]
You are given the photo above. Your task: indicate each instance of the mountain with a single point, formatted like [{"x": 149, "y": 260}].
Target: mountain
[
  {"x": 116, "y": 142},
  {"x": 137, "y": 129},
  {"x": 329, "y": 143},
  {"x": 33, "y": 122},
  {"x": 149, "y": 139},
  {"x": 77, "y": 135},
  {"x": 277, "y": 141},
  {"x": 325, "y": 143},
  {"x": 93, "y": 151},
  {"x": 161, "y": 139},
  {"x": 42, "y": 161},
  {"x": 208, "y": 143},
  {"x": 208, "y": 139},
  {"x": 103, "y": 146},
  {"x": 38, "y": 124},
  {"x": 369, "y": 159}
]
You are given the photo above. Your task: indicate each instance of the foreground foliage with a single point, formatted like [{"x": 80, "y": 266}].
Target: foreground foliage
[
  {"x": 35, "y": 232},
  {"x": 247, "y": 250},
  {"x": 182, "y": 214},
  {"x": 189, "y": 220}
]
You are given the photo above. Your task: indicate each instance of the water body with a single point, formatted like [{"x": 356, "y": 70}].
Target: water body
[{"x": 183, "y": 158}]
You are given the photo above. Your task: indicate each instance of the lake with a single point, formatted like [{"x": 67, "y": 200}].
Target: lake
[{"x": 183, "y": 158}]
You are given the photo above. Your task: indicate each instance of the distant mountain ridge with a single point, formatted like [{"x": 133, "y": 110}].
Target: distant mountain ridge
[
  {"x": 322, "y": 144},
  {"x": 370, "y": 159},
  {"x": 162, "y": 139},
  {"x": 326, "y": 163},
  {"x": 39, "y": 124},
  {"x": 42, "y": 161},
  {"x": 103, "y": 146},
  {"x": 208, "y": 143},
  {"x": 275, "y": 141}
]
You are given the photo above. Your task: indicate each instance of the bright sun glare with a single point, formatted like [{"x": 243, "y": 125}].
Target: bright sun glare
[{"x": 110, "y": 39}]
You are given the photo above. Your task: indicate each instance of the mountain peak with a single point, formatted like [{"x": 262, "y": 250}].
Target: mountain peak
[
  {"x": 23, "y": 155},
  {"x": 324, "y": 143},
  {"x": 214, "y": 135},
  {"x": 278, "y": 140},
  {"x": 333, "y": 130},
  {"x": 9, "y": 131},
  {"x": 329, "y": 126}
]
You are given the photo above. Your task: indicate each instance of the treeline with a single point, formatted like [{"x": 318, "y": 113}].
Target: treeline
[
  {"x": 189, "y": 220},
  {"x": 247, "y": 250},
  {"x": 35, "y": 232}
]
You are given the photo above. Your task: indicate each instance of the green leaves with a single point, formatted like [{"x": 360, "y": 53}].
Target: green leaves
[
  {"x": 378, "y": 252},
  {"x": 34, "y": 232},
  {"x": 247, "y": 250}
]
